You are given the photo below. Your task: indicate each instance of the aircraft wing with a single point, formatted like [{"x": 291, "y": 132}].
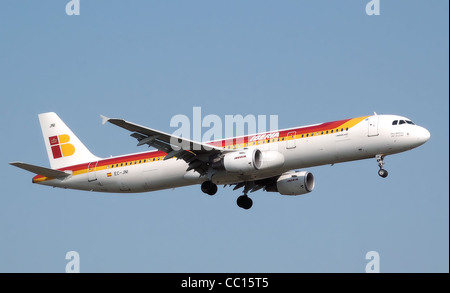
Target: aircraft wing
[
  {"x": 196, "y": 154},
  {"x": 252, "y": 186}
]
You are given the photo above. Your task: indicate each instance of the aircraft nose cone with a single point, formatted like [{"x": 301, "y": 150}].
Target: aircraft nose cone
[{"x": 423, "y": 135}]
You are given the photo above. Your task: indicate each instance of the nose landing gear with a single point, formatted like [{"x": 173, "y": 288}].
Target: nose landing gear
[{"x": 382, "y": 172}]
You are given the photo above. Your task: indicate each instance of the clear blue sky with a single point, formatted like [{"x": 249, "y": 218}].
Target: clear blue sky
[{"x": 145, "y": 61}]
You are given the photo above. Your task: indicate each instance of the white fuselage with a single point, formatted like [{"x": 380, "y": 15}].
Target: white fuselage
[{"x": 142, "y": 172}]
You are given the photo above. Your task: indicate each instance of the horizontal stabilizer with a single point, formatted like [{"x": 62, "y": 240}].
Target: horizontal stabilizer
[{"x": 41, "y": 170}]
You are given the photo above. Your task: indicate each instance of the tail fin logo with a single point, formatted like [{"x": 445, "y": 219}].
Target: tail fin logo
[{"x": 60, "y": 146}]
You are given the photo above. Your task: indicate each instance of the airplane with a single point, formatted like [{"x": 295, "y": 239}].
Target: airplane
[{"x": 268, "y": 161}]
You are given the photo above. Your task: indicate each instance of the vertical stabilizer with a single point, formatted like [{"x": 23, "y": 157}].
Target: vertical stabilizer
[{"x": 63, "y": 147}]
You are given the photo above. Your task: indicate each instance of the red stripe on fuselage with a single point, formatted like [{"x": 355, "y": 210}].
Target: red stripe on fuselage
[{"x": 282, "y": 133}]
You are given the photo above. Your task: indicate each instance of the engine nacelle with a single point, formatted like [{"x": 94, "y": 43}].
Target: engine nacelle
[
  {"x": 271, "y": 160},
  {"x": 250, "y": 160},
  {"x": 293, "y": 183},
  {"x": 242, "y": 161}
]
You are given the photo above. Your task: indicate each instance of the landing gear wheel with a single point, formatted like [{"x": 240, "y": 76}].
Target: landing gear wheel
[
  {"x": 209, "y": 187},
  {"x": 383, "y": 173},
  {"x": 244, "y": 202}
]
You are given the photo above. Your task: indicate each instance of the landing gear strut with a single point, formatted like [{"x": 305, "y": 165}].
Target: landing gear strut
[
  {"x": 382, "y": 172},
  {"x": 209, "y": 187},
  {"x": 244, "y": 202}
]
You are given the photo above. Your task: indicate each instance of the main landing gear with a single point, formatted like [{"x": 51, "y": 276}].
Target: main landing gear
[
  {"x": 244, "y": 202},
  {"x": 382, "y": 172},
  {"x": 209, "y": 187}
]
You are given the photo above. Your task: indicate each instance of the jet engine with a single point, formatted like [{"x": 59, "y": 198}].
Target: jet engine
[
  {"x": 240, "y": 161},
  {"x": 293, "y": 183},
  {"x": 250, "y": 160}
]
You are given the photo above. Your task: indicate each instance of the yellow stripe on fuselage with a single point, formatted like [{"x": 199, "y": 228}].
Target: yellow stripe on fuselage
[{"x": 353, "y": 122}]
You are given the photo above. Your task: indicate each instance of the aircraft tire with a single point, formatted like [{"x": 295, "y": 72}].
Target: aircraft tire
[
  {"x": 209, "y": 187},
  {"x": 383, "y": 173},
  {"x": 244, "y": 202}
]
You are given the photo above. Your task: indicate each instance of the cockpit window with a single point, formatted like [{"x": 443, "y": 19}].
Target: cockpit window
[{"x": 399, "y": 122}]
